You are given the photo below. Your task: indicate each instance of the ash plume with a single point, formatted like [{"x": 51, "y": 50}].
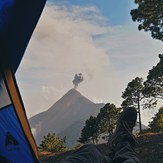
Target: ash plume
[{"x": 78, "y": 78}]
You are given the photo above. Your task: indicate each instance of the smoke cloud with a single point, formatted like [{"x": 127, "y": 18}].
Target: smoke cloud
[
  {"x": 78, "y": 78},
  {"x": 36, "y": 129}
]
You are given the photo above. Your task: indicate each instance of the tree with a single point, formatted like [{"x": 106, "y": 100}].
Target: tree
[
  {"x": 156, "y": 125},
  {"x": 107, "y": 118},
  {"x": 52, "y": 143},
  {"x": 104, "y": 123},
  {"x": 90, "y": 131},
  {"x": 133, "y": 96},
  {"x": 150, "y": 16},
  {"x": 154, "y": 82}
]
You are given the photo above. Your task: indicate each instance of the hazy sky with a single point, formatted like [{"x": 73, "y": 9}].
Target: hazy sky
[{"x": 92, "y": 37}]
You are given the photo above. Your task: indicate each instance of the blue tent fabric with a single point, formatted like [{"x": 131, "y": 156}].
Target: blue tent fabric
[
  {"x": 18, "y": 19},
  {"x": 14, "y": 146}
]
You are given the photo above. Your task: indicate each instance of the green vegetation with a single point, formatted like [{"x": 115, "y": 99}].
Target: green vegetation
[
  {"x": 156, "y": 125},
  {"x": 104, "y": 123},
  {"x": 108, "y": 118},
  {"x": 150, "y": 16},
  {"x": 133, "y": 95},
  {"x": 90, "y": 131},
  {"x": 52, "y": 143},
  {"x": 136, "y": 96},
  {"x": 154, "y": 82}
]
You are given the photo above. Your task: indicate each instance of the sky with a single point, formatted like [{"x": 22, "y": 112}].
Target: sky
[{"x": 92, "y": 37}]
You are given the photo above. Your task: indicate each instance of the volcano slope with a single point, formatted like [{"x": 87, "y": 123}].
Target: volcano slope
[{"x": 149, "y": 148}]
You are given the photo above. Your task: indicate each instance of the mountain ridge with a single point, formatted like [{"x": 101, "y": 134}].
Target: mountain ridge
[{"x": 69, "y": 109}]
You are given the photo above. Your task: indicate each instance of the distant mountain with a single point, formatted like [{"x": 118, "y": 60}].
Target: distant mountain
[
  {"x": 66, "y": 117},
  {"x": 137, "y": 128},
  {"x": 73, "y": 132}
]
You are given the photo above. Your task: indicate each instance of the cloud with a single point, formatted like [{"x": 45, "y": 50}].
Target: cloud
[
  {"x": 60, "y": 46},
  {"x": 75, "y": 39},
  {"x": 63, "y": 40},
  {"x": 36, "y": 130}
]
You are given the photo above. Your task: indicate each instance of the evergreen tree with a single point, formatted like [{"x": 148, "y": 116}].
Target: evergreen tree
[
  {"x": 52, "y": 143},
  {"x": 104, "y": 123},
  {"x": 156, "y": 125},
  {"x": 154, "y": 82},
  {"x": 150, "y": 16},
  {"x": 107, "y": 118},
  {"x": 133, "y": 96},
  {"x": 90, "y": 131}
]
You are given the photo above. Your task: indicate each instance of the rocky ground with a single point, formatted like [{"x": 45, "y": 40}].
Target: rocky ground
[{"x": 149, "y": 149}]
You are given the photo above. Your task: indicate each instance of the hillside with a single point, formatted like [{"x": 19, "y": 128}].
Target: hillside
[
  {"x": 62, "y": 117},
  {"x": 149, "y": 149},
  {"x": 72, "y": 132}
]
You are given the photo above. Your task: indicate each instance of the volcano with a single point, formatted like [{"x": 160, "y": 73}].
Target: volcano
[{"x": 66, "y": 117}]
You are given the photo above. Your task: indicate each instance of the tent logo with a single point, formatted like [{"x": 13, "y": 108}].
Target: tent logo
[{"x": 10, "y": 140}]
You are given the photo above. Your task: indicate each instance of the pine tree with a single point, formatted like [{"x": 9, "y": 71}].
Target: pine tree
[
  {"x": 133, "y": 96},
  {"x": 154, "y": 82},
  {"x": 104, "y": 123},
  {"x": 107, "y": 118},
  {"x": 156, "y": 125},
  {"x": 149, "y": 14},
  {"x": 52, "y": 143},
  {"x": 90, "y": 131}
]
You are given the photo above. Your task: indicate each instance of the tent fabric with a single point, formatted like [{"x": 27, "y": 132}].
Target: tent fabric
[
  {"x": 18, "y": 19},
  {"x": 13, "y": 93},
  {"x": 15, "y": 146}
]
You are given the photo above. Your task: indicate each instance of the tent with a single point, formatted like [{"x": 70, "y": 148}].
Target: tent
[{"x": 18, "y": 19}]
